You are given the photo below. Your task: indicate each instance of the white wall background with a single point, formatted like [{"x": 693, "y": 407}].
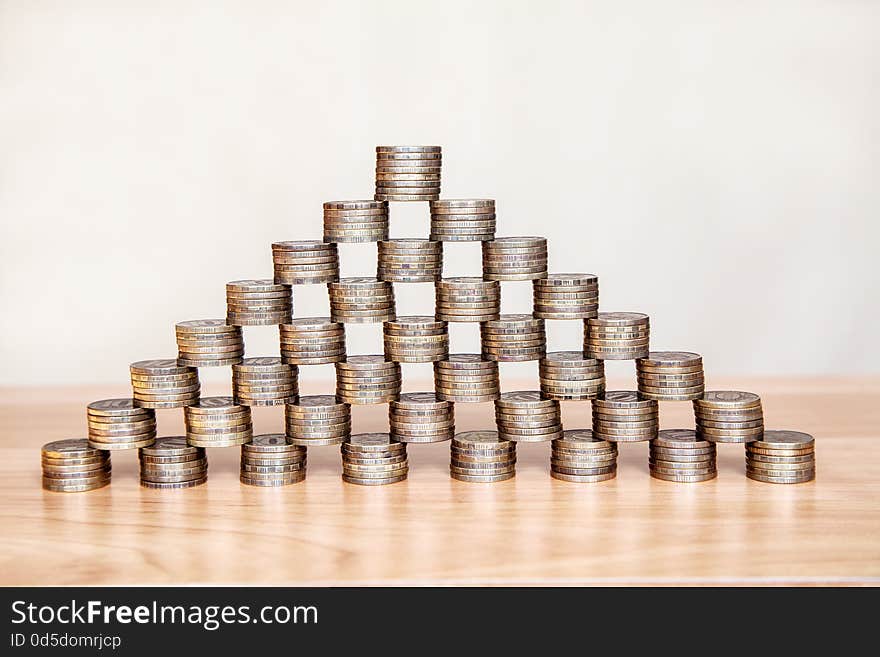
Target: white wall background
[{"x": 716, "y": 163}]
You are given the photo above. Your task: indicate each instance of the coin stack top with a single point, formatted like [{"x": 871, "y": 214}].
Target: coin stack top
[
  {"x": 467, "y": 299},
  {"x": 72, "y": 466},
  {"x": 208, "y": 343},
  {"x": 782, "y": 457},
  {"x": 568, "y": 375},
  {"x": 482, "y": 457},
  {"x": 361, "y": 299},
  {"x": 162, "y": 383},
  {"x": 420, "y": 417},
  {"x": 355, "y": 221},
  {"x": 566, "y": 296},
  {"x": 312, "y": 341},
  {"x": 671, "y": 376},
  {"x": 729, "y": 416},
  {"x": 410, "y": 261},
  {"x": 580, "y": 457},
  {"x": 681, "y": 456},
  {"x": 515, "y": 258},
  {"x": 317, "y": 420},
  {"x": 463, "y": 220},
  {"x": 373, "y": 459},
  {"x": 408, "y": 173},
  {"x": 258, "y": 302},
  {"x": 368, "y": 379},
  {"x": 270, "y": 461},
  {"x": 172, "y": 463},
  {"x": 264, "y": 381},
  {"x": 617, "y": 336},
  {"x": 524, "y": 416},
  {"x": 466, "y": 378},
  {"x": 120, "y": 424},
  {"x": 305, "y": 261},
  {"x": 513, "y": 337},
  {"x": 217, "y": 422},
  {"x": 621, "y": 416},
  {"x": 416, "y": 339}
]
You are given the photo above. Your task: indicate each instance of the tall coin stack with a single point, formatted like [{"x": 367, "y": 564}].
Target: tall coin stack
[
  {"x": 513, "y": 338},
  {"x": 355, "y": 221},
  {"x": 729, "y": 416},
  {"x": 367, "y": 380},
  {"x": 269, "y": 460},
  {"x": 782, "y": 457},
  {"x": 408, "y": 173},
  {"x": 373, "y": 459},
  {"x": 467, "y": 299},
  {"x": 524, "y": 416},
  {"x": 617, "y": 336},
  {"x": 317, "y": 420},
  {"x": 71, "y": 466},
  {"x": 312, "y": 341},
  {"x": 481, "y": 457},
  {"x": 420, "y": 417},
  {"x": 208, "y": 343},
  {"x": 305, "y": 261},
  {"x": 264, "y": 381},
  {"x": 410, "y": 261},
  {"x": 217, "y": 422},
  {"x": 680, "y": 455},
  {"x": 120, "y": 424},
  {"x": 466, "y": 378},
  {"x": 566, "y": 296},
  {"x": 162, "y": 383},
  {"x": 463, "y": 220},
  {"x": 582, "y": 458},
  {"x": 568, "y": 375},
  {"x": 622, "y": 416},
  {"x": 515, "y": 259},
  {"x": 258, "y": 302},
  {"x": 173, "y": 463},
  {"x": 361, "y": 300},
  {"x": 671, "y": 376},
  {"x": 416, "y": 339}
]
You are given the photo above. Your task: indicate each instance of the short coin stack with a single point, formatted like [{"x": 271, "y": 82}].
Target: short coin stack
[
  {"x": 305, "y": 261},
  {"x": 360, "y": 300},
  {"x": 258, "y": 302},
  {"x": 162, "y": 383},
  {"x": 419, "y": 417},
  {"x": 515, "y": 259},
  {"x": 568, "y": 375},
  {"x": 524, "y": 416},
  {"x": 467, "y": 299},
  {"x": 217, "y": 422},
  {"x": 355, "y": 221},
  {"x": 416, "y": 339},
  {"x": 680, "y": 455},
  {"x": 264, "y": 381},
  {"x": 463, "y": 220},
  {"x": 410, "y": 261},
  {"x": 513, "y": 338},
  {"x": 208, "y": 343},
  {"x": 408, "y": 173},
  {"x": 729, "y": 416},
  {"x": 373, "y": 459},
  {"x": 671, "y": 376},
  {"x": 317, "y": 420},
  {"x": 312, "y": 341},
  {"x": 782, "y": 457},
  {"x": 269, "y": 460},
  {"x": 617, "y": 336},
  {"x": 173, "y": 463},
  {"x": 71, "y": 466},
  {"x": 482, "y": 457},
  {"x": 582, "y": 458},
  {"x": 566, "y": 296},
  {"x": 367, "y": 380},
  {"x": 120, "y": 424},
  {"x": 622, "y": 416},
  {"x": 466, "y": 378}
]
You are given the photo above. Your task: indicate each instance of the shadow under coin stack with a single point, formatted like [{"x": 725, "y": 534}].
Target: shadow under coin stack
[
  {"x": 416, "y": 339},
  {"x": 679, "y": 455},
  {"x": 568, "y": 375},
  {"x": 410, "y": 261},
  {"x": 408, "y": 173},
  {"x": 463, "y": 220},
  {"x": 729, "y": 416},
  {"x": 513, "y": 338},
  {"x": 466, "y": 378},
  {"x": 524, "y": 416},
  {"x": 782, "y": 457},
  {"x": 312, "y": 341},
  {"x": 419, "y": 417},
  {"x": 173, "y": 463},
  {"x": 361, "y": 300},
  {"x": 367, "y": 380},
  {"x": 208, "y": 343},
  {"x": 217, "y": 422},
  {"x": 71, "y": 466},
  {"x": 515, "y": 258},
  {"x": 670, "y": 376},
  {"x": 120, "y": 424},
  {"x": 258, "y": 302},
  {"x": 617, "y": 336},
  {"x": 317, "y": 420},
  {"x": 162, "y": 383},
  {"x": 305, "y": 262},
  {"x": 355, "y": 221},
  {"x": 481, "y": 457},
  {"x": 373, "y": 459},
  {"x": 622, "y": 416},
  {"x": 580, "y": 457},
  {"x": 269, "y": 461},
  {"x": 566, "y": 296},
  {"x": 264, "y": 381}
]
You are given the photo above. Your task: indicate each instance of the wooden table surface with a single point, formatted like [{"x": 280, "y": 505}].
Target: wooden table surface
[{"x": 433, "y": 530}]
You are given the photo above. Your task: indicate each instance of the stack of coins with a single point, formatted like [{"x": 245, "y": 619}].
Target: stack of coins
[
  {"x": 420, "y": 417},
  {"x": 208, "y": 342},
  {"x": 782, "y": 457},
  {"x": 355, "y": 221},
  {"x": 671, "y": 376},
  {"x": 361, "y": 300},
  {"x": 622, "y": 416},
  {"x": 410, "y": 261},
  {"x": 568, "y": 375},
  {"x": 467, "y": 299},
  {"x": 482, "y": 457},
  {"x": 264, "y": 381},
  {"x": 71, "y": 466},
  {"x": 120, "y": 424},
  {"x": 582, "y": 458},
  {"x": 317, "y": 420},
  {"x": 173, "y": 463},
  {"x": 466, "y": 378},
  {"x": 680, "y": 455},
  {"x": 217, "y": 422},
  {"x": 312, "y": 341},
  {"x": 162, "y": 383},
  {"x": 305, "y": 261},
  {"x": 258, "y": 302},
  {"x": 367, "y": 380},
  {"x": 523, "y": 416},
  {"x": 513, "y": 338},
  {"x": 729, "y": 416},
  {"x": 567, "y": 296},
  {"x": 463, "y": 220},
  {"x": 373, "y": 459},
  {"x": 269, "y": 460},
  {"x": 515, "y": 259},
  {"x": 617, "y": 336},
  {"x": 408, "y": 173},
  {"x": 416, "y": 339}
]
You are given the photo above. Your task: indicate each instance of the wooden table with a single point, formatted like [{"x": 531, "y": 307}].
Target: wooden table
[{"x": 433, "y": 530}]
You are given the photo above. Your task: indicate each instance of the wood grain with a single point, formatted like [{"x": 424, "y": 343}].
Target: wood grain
[{"x": 433, "y": 530}]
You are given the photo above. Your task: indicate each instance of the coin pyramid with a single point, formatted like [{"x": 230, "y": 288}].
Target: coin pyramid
[{"x": 581, "y": 455}]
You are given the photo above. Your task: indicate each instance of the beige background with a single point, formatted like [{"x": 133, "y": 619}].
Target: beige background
[{"x": 715, "y": 163}]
